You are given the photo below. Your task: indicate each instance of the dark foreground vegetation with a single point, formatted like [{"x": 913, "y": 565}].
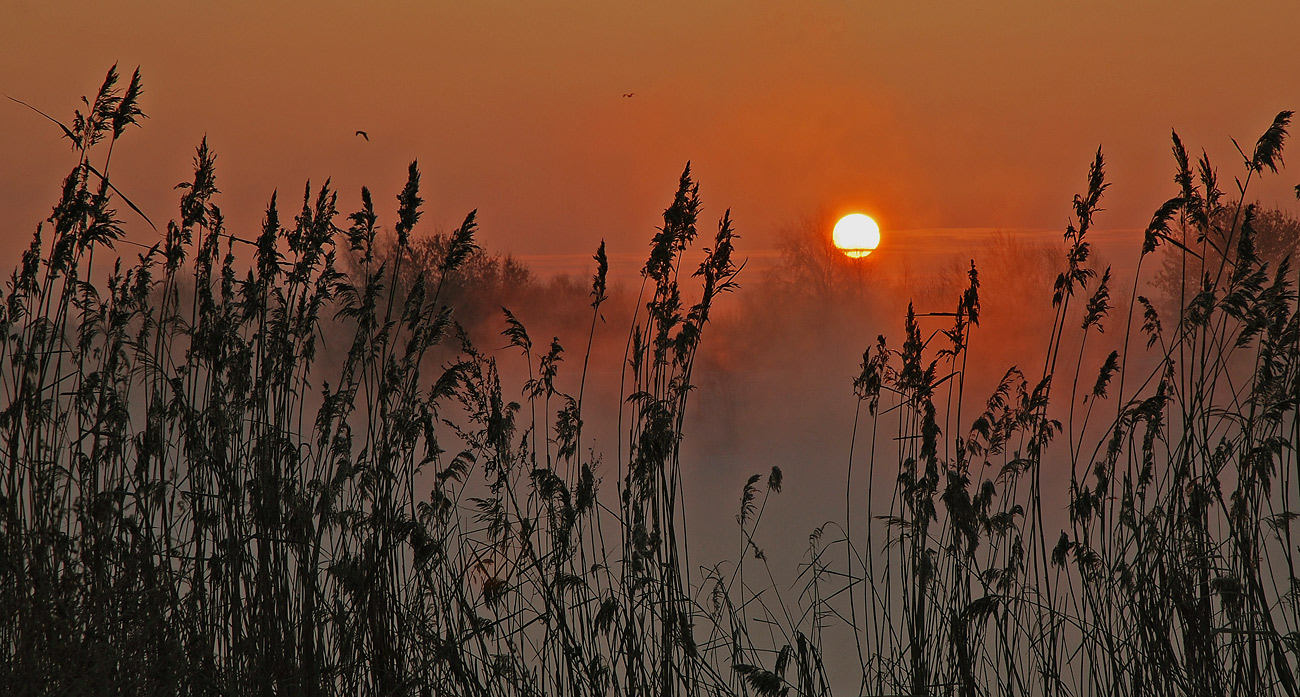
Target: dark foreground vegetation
[{"x": 196, "y": 498}]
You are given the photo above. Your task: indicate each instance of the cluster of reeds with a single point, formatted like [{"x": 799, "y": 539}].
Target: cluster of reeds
[
  {"x": 231, "y": 466},
  {"x": 275, "y": 464},
  {"x": 1172, "y": 567}
]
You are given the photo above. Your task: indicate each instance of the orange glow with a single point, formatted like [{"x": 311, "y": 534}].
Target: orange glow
[
  {"x": 857, "y": 235},
  {"x": 958, "y": 116}
]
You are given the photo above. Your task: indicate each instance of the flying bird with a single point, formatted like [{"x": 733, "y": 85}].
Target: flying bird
[
  {"x": 363, "y": 134},
  {"x": 628, "y": 94}
]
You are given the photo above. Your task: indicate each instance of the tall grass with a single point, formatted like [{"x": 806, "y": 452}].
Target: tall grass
[
  {"x": 274, "y": 463},
  {"x": 1174, "y": 573}
]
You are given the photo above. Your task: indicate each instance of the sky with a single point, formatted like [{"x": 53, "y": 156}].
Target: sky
[{"x": 930, "y": 116}]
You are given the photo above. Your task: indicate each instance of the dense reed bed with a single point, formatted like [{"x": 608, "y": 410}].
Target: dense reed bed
[
  {"x": 273, "y": 463},
  {"x": 1174, "y": 572}
]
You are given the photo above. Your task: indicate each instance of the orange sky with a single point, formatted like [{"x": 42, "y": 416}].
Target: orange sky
[{"x": 925, "y": 114}]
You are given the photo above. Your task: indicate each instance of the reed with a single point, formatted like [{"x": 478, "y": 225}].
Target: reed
[
  {"x": 1174, "y": 574},
  {"x": 277, "y": 463}
]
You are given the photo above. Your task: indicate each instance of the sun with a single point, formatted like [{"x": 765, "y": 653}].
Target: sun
[{"x": 856, "y": 235}]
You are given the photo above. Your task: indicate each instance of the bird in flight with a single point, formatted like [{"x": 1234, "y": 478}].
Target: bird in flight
[
  {"x": 363, "y": 134},
  {"x": 628, "y": 94}
]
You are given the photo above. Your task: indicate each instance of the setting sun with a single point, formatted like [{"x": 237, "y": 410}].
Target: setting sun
[{"x": 857, "y": 235}]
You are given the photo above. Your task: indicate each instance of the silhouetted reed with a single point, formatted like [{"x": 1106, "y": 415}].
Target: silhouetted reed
[
  {"x": 1174, "y": 573},
  {"x": 275, "y": 464}
]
